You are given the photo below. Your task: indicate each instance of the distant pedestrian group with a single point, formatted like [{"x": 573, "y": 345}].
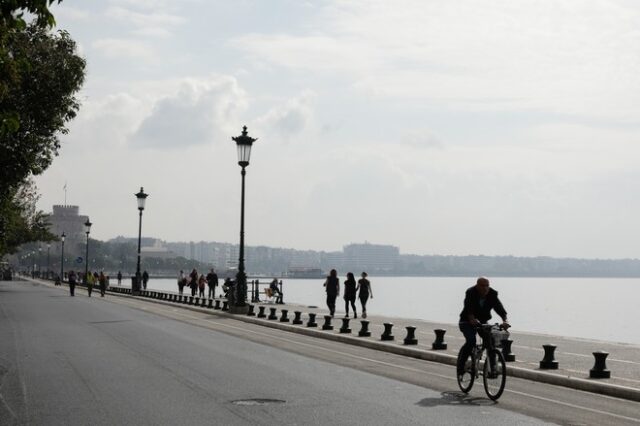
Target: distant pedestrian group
[{"x": 352, "y": 290}]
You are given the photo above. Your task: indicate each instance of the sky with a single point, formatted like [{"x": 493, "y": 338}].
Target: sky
[{"x": 470, "y": 127}]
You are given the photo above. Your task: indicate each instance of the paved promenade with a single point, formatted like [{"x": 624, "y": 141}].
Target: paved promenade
[{"x": 573, "y": 355}]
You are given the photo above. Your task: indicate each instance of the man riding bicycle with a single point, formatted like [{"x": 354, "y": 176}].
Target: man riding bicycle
[{"x": 479, "y": 300}]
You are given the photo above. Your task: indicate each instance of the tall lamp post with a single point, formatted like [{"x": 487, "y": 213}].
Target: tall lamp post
[
  {"x": 62, "y": 237},
  {"x": 243, "y": 143},
  {"x": 142, "y": 198},
  {"x": 87, "y": 230},
  {"x": 48, "y": 259}
]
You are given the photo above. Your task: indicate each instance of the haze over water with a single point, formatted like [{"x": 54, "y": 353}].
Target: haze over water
[{"x": 591, "y": 308}]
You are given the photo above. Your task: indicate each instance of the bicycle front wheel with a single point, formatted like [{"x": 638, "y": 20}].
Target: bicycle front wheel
[
  {"x": 468, "y": 376},
  {"x": 494, "y": 376}
]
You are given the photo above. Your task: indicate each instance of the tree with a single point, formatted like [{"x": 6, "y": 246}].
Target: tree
[
  {"x": 20, "y": 221},
  {"x": 40, "y": 73},
  {"x": 42, "y": 98}
]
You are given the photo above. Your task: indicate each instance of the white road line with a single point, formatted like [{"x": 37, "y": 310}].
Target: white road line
[{"x": 579, "y": 407}]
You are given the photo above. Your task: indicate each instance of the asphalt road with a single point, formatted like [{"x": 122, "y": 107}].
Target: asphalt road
[{"x": 119, "y": 361}]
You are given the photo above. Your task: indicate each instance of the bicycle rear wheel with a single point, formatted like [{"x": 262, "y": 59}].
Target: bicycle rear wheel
[
  {"x": 466, "y": 379},
  {"x": 494, "y": 378}
]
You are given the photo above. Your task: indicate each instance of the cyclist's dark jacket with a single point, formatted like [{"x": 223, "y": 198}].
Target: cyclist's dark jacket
[{"x": 481, "y": 312}]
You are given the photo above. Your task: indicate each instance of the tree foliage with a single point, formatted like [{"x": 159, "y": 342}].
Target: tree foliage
[
  {"x": 41, "y": 99},
  {"x": 20, "y": 221},
  {"x": 40, "y": 73}
]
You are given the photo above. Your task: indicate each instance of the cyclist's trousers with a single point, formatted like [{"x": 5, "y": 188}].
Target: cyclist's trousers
[{"x": 469, "y": 332}]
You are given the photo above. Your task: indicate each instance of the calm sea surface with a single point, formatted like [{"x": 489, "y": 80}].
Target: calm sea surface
[{"x": 593, "y": 308}]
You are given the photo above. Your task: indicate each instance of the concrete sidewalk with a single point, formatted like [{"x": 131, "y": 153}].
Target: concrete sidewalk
[{"x": 574, "y": 355}]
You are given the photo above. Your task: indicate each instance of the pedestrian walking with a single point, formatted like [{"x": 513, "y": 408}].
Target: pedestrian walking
[
  {"x": 71, "y": 276},
  {"x": 90, "y": 281},
  {"x": 212, "y": 282},
  {"x": 182, "y": 281},
  {"x": 145, "y": 279},
  {"x": 364, "y": 292},
  {"x": 350, "y": 294},
  {"x": 332, "y": 287},
  {"x": 193, "y": 283},
  {"x": 201, "y": 283},
  {"x": 102, "y": 280}
]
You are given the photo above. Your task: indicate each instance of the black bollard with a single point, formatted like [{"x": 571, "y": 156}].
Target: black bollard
[
  {"x": 439, "y": 343},
  {"x": 272, "y": 315},
  {"x": 250, "y": 312},
  {"x": 327, "y": 323},
  {"x": 191, "y": 300},
  {"x": 185, "y": 299},
  {"x": 261, "y": 314},
  {"x": 411, "y": 336},
  {"x": 345, "y": 326},
  {"x": 210, "y": 305},
  {"x": 284, "y": 317},
  {"x": 225, "y": 305},
  {"x": 204, "y": 303},
  {"x": 386, "y": 335},
  {"x": 217, "y": 305},
  {"x": 364, "y": 330},
  {"x": 196, "y": 301},
  {"x": 549, "y": 362},
  {"x": 312, "y": 320},
  {"x": 599, "y": 370},
  {"x": 506, "y": 350},
  {"x": 297, "y": 319}
]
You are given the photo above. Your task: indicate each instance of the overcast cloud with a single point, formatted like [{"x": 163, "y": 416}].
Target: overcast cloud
[{"x": 467, "y": 127}]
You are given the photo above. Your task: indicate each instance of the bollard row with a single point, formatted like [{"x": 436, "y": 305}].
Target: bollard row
[{"x": 548, "y": 362}]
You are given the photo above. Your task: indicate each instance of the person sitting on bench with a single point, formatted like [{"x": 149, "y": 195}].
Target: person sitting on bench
[{"x": 275, "y": 291}]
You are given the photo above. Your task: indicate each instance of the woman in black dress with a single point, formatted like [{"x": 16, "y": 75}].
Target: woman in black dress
[
  {"x": 350, "y": 294},
  {"x": 365, "y": 292}
]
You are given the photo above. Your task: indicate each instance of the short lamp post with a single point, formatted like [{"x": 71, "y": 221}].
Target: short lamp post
[
  {"x": 48, "y": 259},
  {"x": 62, "y": 237},
  {"x": 142, "y": 198},
  {"x": 39, "y": 262},
  {"x": 243, "y": 143},
  {"x": 87, "y": 230}
]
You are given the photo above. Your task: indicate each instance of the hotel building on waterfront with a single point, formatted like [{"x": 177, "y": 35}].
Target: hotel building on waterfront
[{"x": 371, "y": 257}]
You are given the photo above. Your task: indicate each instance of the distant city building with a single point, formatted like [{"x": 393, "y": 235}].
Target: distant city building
[
  {"x": 157, "y": 250},
  {"x": 370, "y": 257}
]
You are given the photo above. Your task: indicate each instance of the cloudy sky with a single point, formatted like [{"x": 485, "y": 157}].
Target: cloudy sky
[{"x": 469, "y": 127}]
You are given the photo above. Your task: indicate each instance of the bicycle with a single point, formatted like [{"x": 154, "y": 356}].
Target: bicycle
[{"x": 494, "y": 372}]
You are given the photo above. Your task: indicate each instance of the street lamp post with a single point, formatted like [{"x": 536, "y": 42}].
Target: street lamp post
[
  {"x": 62, "y": 237},
  {"x": 243, "y": 143},
  {"x": 48, "y": 259},
  {"x": 87, "y": 230},
  {"x": 142, "y": 198},
  {"x": 39, "y": 262}
]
